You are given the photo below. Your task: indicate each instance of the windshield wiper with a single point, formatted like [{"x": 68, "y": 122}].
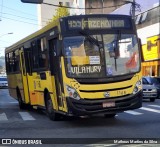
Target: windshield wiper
[
  {"x": 91, "y": 39},
  {"x": 116, "y": 48}
]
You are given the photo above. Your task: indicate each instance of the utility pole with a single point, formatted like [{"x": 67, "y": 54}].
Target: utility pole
[
  {"x": 102, "y": 7},
  {"x": 133, "y": 9}
]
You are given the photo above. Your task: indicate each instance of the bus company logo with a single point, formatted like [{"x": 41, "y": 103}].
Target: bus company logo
[
  {"x": 106, "y": 94},
  {"x": 6, "y": 141},
  {"x": 150, "y": 45}
]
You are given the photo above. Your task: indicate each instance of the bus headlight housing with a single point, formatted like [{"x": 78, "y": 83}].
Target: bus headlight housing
[
  {"x": 137, "y": 87},
  {"x": 154, "y": 90},
  {"x": 72, "y": 93}
]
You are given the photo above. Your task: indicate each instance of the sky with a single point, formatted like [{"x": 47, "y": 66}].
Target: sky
[
  {"x": 21, "y": 20},
  {"x": 144, "y": 5},
  {"x": 17, "y": 18}
]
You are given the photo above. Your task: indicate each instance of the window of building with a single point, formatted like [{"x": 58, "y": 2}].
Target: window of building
[
  {"x": 144, "y": 16},
  {"x": 138, "y": 19}
]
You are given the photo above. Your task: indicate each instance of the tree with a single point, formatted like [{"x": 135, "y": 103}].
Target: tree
[{"x": 60, "y": 12}]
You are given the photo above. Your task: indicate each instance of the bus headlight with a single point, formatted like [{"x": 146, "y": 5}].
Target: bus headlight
[
  {"x": 72, "y": 93},
  {"x": 137, "y": 87},
  {"x": 154, "y": 90}
]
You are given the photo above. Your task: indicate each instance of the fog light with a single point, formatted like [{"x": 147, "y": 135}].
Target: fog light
[
  {"x": 135, "y": 89},
  {"x": 75, "y": 94}
]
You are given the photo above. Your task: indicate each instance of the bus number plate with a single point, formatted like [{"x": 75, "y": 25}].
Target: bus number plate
[
  {"x": 121, "y": 92},
  {"x": 108, "y": 104}
]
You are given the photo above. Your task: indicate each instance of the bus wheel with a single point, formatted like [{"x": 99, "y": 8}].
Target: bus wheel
[
  {"x": 50, "y": 110},
  {"x": 20, "y": 102},
  {"x": 110, "y": 115}
]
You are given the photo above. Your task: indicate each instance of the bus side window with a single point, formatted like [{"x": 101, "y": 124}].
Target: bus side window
[
  {"x": 7, "y": 62},
  {"x": 11, "y": 62},
  {"x": 16, "y": 61},
  {"x": 52, "y": 55},
  {"x": 34, "y": 54},
  {"x": 42, "y": 53}
]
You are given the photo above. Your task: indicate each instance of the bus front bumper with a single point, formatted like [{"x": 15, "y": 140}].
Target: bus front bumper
[{"x": 88, "y": 107}]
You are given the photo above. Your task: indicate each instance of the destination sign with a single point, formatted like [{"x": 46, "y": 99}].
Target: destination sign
[{"x": 96, "y": 23}]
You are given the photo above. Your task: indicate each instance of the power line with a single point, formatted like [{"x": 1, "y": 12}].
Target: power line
[
  {"x": 1, "y": 9},
  {"x": 22, "y": 17},
  {"x": 19, "y": 21},
  {"x": 15, "y": 10},
  {"x": 80, "y": 8}
]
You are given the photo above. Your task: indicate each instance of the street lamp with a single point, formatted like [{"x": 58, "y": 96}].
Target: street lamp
[{"x": 6, "y": 34}]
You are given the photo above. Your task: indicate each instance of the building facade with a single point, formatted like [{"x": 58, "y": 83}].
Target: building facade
[
  {"x": 148, "y": 29},
  {"x": 46, "y": 12},
  {"x": 104, "y": 6}
]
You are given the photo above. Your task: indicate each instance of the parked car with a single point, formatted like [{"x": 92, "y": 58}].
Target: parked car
[
  {"x": 150, "y": 88},
  {"x": 158, "y": 79},
  {"x": 154, "y": 81},
  {"x": 3, "y": 82}
]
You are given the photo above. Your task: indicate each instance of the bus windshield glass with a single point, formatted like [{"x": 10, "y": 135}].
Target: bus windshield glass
[{"x": 104, "y": 55}]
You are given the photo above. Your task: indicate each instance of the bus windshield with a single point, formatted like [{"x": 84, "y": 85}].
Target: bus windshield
[{"x": 105, "y": 55}]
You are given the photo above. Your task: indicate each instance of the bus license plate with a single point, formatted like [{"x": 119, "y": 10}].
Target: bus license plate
[{"x": 108, "y": 104}]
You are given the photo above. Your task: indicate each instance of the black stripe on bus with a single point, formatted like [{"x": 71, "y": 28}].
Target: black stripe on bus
[{"x": 106, "y": 89}]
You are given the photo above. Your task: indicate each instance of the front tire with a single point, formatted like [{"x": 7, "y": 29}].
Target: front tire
[
  {"x": 20, "y": 102},
  {"x": 50, "y": 110}
]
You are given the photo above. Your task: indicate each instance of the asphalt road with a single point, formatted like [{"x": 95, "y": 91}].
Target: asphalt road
[{"x": 141, "y": 123}]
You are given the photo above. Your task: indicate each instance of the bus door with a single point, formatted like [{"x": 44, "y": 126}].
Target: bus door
[
  {"x": 55, "y": 62},
  {"x": 24, "y": 63}
]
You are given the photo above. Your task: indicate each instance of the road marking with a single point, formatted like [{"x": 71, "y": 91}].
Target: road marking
[
  {"x": 13, "y": 102},
  {"x": 149, "y": 109},
  {"x": 26, "y": 116},
  {"x": 133, "y": 112},
  {"x": 3, "y": 117},
  {"x": 154, "y": 106},
  {"x": 4, "y": 103}
]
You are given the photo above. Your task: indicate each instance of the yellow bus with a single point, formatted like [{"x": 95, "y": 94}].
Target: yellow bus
[{"x": 77, "y": 66}]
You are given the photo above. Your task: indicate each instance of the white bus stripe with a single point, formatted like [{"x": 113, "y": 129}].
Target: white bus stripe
[
  {"x": 26, "y": 116},
  {"x": 133, "y": 112},
  {"x": 154, "y": 106},
  {"x": 3, "y": 117},
  {"x": 149, "y": 109}
]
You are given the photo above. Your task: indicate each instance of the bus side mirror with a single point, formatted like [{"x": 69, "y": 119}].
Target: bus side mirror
[{"x": 32, "y": 1}]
